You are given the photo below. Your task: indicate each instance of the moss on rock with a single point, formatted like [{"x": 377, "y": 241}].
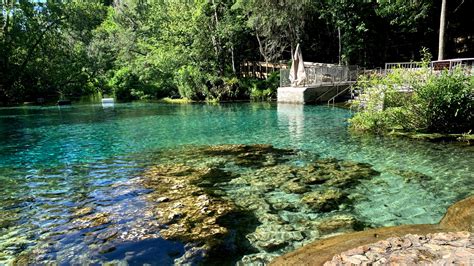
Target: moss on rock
[
  {"x": 255, "y": 156},
  {"x": 337, "y": 223},
  {"x": 189, "y": 213},
  {"x": 324, "y": 201},
  {"x": 336, "y": 173}
]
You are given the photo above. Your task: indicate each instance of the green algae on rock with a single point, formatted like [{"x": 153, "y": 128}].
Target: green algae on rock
[
  {"x": 410, "y": 176},
  {"x": 338, "y": 173},
  {"x": 236, "y": 156},
  {"x": 254, "y": 156},
  {"x": 189, "y": 213},
  {"x": 324, "y": 201},
  {"x": 230, "y": 199},
  {"x": 337, "y": 223},
  {"x": 198, "y": 187}
]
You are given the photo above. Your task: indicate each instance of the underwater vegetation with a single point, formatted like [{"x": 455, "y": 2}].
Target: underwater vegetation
[{"x": 221, "y": 204}]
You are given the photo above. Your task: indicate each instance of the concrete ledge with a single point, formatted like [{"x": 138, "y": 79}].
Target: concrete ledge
[{"x": 303, "y": 95}]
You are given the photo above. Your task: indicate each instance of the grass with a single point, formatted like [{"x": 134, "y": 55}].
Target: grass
[{"x": 176, "y": 101}]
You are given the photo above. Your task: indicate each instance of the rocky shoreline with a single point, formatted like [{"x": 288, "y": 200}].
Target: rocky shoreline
[
  {"x": 449, "y": 242},
  {"x": 452, "y": 248}
]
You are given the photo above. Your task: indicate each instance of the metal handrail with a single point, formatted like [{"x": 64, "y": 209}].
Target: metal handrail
[
  {"x": 318, "y": 73},
  {"x": 404, "y": 65},
  {"x": 333, "y": 99},
  {"x": 321, "y": 96}
]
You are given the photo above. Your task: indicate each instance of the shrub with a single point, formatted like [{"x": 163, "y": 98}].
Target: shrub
[
  {"x": 224, "y": 89},
  {"x": 445, "y": 103},
  {"x": 122, "y": 83},
  {"x": 261, "y": 90},
  {"x": 191, "y": 83},
  {"x": 439, "y": 102}
]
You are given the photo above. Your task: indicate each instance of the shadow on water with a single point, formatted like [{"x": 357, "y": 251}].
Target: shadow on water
[
  {"x": 150, "y": 252},
  {"x": 235, "y": 244}
]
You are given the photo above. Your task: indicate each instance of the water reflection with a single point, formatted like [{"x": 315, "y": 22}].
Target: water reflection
[
  {"x": 108, "y": 103},
  {"x": 292, "y": 115}
]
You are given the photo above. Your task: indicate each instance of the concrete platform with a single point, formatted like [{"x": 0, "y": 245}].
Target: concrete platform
[{"x": 311, "y": 94}]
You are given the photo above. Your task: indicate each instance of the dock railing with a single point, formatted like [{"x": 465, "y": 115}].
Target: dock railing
[
  {"x": 319, "y": 73},
  {"x": 467, "y": 64},
  {"x": 259, "y": 70},
  {"x": 404, "y": 65}
]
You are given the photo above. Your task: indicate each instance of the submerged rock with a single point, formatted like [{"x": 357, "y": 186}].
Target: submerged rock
[
  {"x": 227, "y": 200},
  {"x": 295, "y": 186},
  {"x": 83, "y": 211},
  {"x": 337, "y": 223},
  {"x": 257, "y": 259},
  {"x": 337, "y": 173},
  {"x": 189, "y": 213},
  {"x": 91, "y": 220},
  {"x": 272, "y": 237},
  {"x": 254, "y": 156},
  {"x": 410, "y": 176},
  {"x": 107, "y": 234},
  {"x": 324, "y": 201}
]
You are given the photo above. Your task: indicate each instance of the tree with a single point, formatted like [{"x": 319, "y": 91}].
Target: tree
[
  {"x": 277, "y": 26},
  {"x": 43, "y": 47},
  {"x": 442, "y": 27}
]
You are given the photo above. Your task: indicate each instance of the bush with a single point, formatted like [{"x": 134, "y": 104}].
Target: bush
[
  {"x": 444, "y": 103},
  {"x": 439, "y": 102},
  {"x": 122, "y": 83},
  {"x": 191, "y": 83},
  {"x": 224, "y": 89},
  {"x": 261, "y": 90}
]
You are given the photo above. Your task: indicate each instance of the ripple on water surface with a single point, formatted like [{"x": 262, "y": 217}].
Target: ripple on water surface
[{"x": 73, "y": 190}]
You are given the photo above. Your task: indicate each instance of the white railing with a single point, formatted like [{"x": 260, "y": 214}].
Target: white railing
[
  {"x": 405, "y": 65},
  {"x": 448, "y": 64},
  {"x": 319, "y": 73}
]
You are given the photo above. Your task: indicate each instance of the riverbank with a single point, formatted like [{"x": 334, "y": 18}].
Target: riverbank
[{"x": 459, "y": 217}]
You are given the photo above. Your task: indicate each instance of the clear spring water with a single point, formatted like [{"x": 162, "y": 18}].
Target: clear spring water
[{"x": 54, "y": 161}]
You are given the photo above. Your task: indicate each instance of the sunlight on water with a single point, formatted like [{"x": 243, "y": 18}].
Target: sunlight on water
[{"x": 69, "y": 190}]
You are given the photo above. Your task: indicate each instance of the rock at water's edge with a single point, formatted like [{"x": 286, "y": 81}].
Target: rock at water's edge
[{"x": 459, "y": 217}]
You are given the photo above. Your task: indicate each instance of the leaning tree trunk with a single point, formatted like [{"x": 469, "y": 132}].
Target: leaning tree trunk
[{"x": 442, "y": 27}]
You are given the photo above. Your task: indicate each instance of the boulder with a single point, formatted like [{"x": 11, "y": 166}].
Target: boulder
[{"x": 460, "y": 216}]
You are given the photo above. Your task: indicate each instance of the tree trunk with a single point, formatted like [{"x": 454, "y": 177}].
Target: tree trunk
[
  {"x": 442, "y": 27},
  {"x": 260, "y": 46},
  {"x": 340, "y": 45},
  {"x": 233, "y": 59},
  {"x": 217, "y": 42}
]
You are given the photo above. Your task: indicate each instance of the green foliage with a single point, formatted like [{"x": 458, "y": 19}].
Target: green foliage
[
  {"x": 376, "y": 122},
  {"x": 44, "y": 48},
  {"x": 124, "y": 82},
  {"x": 445, "y": 103},
  {"x": 437, "y": 103},
  {"x": 191, "y": 83},
  {"x": 151, "y": 49},
  {"x": 263, "y": 90}
]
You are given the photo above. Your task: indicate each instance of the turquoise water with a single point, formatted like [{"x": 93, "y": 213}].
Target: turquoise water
[{"x": 57, "y": 161}]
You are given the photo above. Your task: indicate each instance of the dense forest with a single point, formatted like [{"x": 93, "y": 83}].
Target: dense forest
[{"x": 137, "y": 49}]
